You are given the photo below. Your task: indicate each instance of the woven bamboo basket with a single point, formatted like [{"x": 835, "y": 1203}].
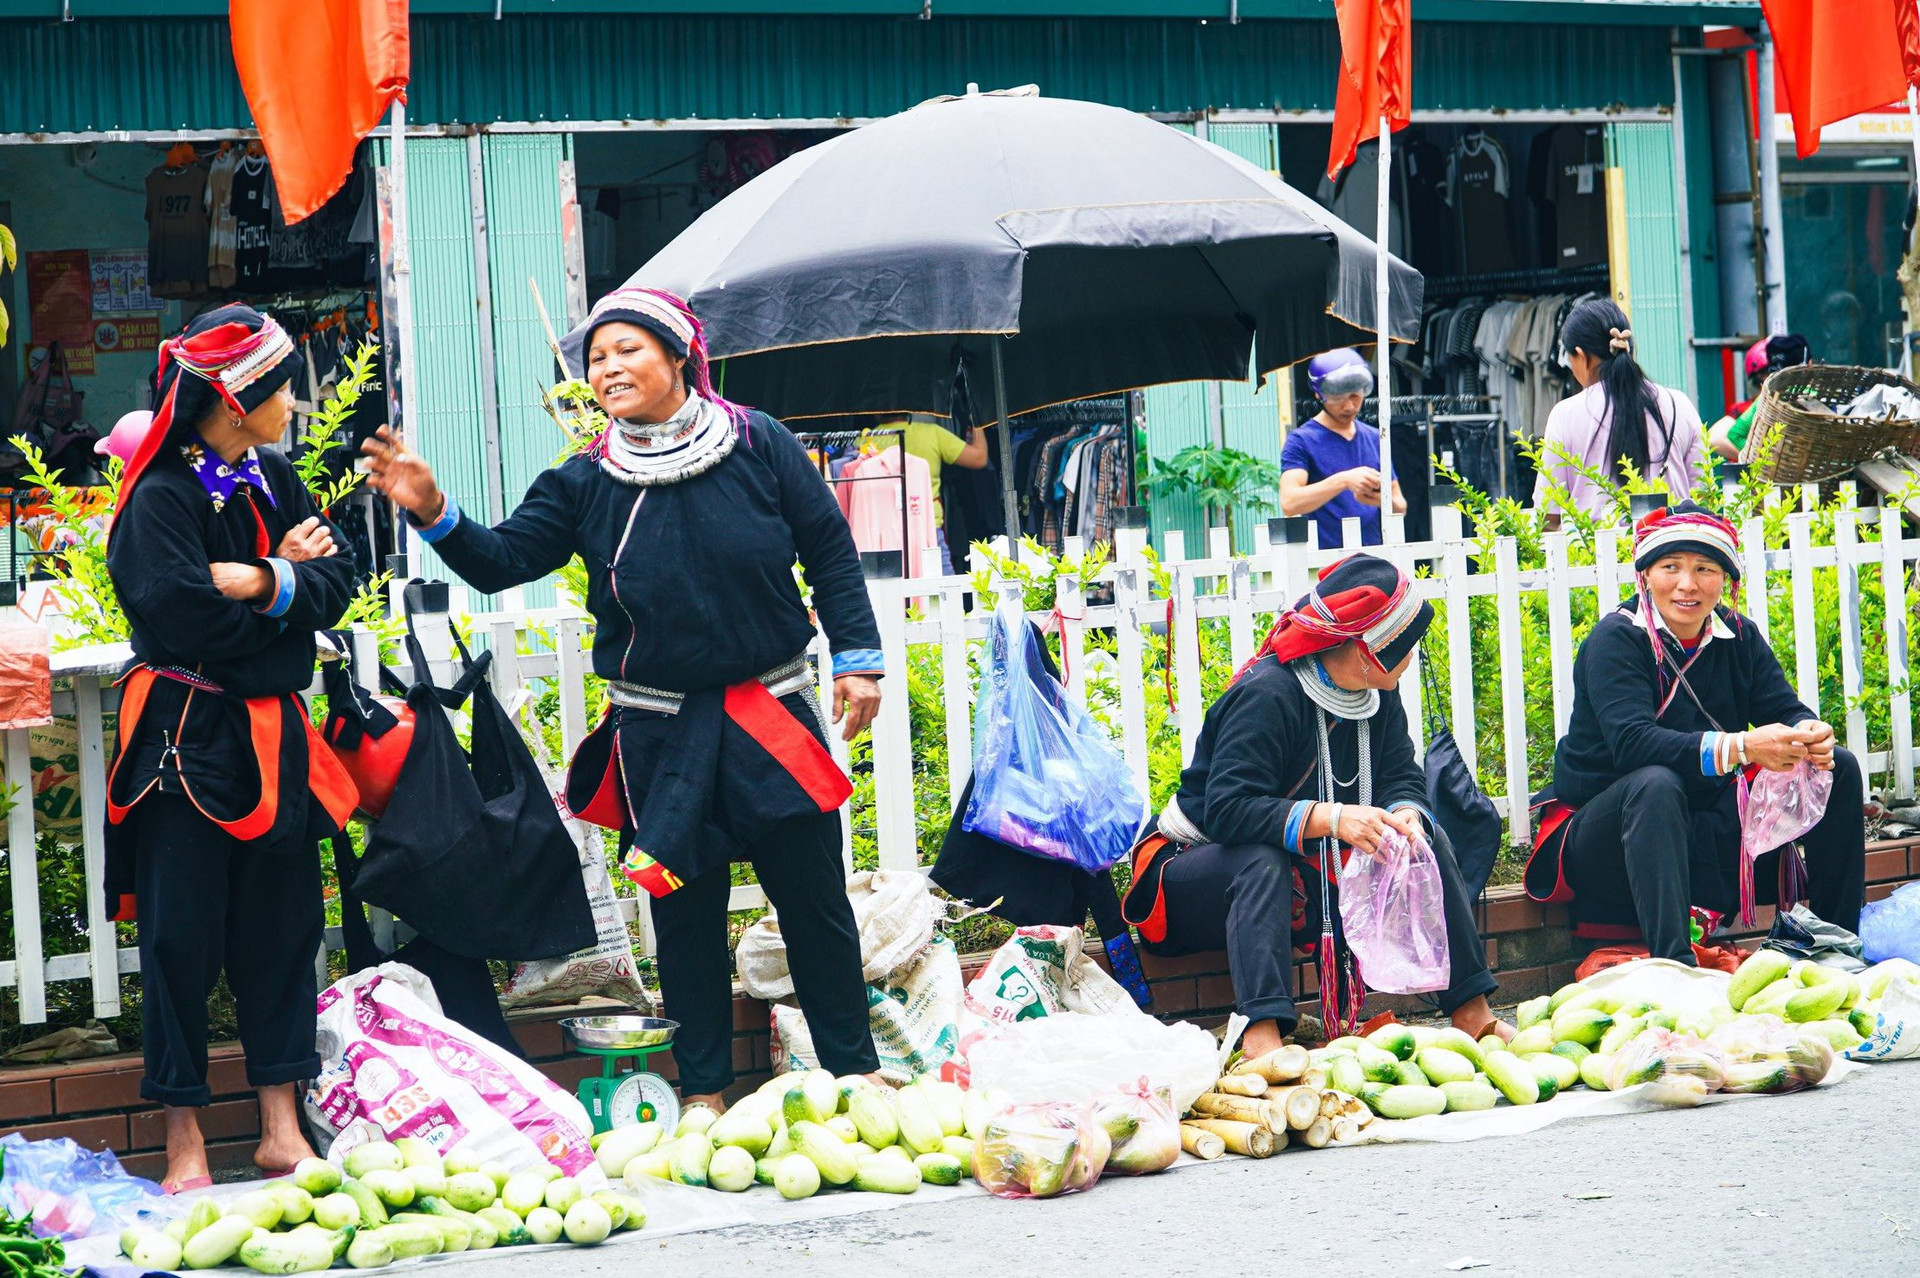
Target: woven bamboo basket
[{"x": 1815, "y": 446}]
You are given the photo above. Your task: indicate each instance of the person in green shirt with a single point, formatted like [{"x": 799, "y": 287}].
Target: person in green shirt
[
  {"x": 1764, "y": 358},
  {"x": 937, "y": 446}
]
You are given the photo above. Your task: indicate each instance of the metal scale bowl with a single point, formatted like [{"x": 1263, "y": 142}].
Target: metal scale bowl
[{"x": 620, "y": 1097}]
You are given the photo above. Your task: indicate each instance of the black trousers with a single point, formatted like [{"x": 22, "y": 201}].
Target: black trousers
[
  {"x": 798, "y": 865},
  {"x": 1642, "y": 851},
  {"x": 1240, "y": 898},
  {"x": 206, "y": 899}
]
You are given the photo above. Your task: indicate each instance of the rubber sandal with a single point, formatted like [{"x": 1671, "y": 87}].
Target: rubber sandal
[{"x": 192, "y": 1183}]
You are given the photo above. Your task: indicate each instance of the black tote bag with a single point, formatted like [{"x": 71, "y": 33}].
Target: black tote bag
[
  {"x": 471, "y": 851},
  {"x": 1459, "y": 807}
]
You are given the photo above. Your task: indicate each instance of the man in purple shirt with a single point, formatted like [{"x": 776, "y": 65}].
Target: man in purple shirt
[{"x": 1330, "y": 466}]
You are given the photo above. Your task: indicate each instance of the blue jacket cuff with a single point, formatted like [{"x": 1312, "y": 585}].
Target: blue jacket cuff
[
  {"x": 854, "y": 661},
  {"x": 1421, "y": 808},
  {"x": 1709, "y": 748},
  {"x": 1296, "y": 821},
  {"x": 283, "y": 588},
  {"x": 440, "y": 527}
]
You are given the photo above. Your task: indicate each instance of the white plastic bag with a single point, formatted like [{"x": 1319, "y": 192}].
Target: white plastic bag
[
  {"x": 914, "y": 1013},
  {"x": 894, "y": 909},
  {"x": 1897, "y": 1035},
  {"x": 605, "y": 969},
  {"x": 393, "y": 1066},
  {"x": 1072, "y": 1056}
]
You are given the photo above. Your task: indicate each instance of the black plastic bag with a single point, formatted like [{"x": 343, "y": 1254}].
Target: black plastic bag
[{"x": 1459, "y": 807}]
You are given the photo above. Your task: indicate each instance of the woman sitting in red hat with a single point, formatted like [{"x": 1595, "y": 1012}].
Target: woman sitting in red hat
[
  {"x": 1302, "y": 757},
  {"x": 220, "y": 789},
  {"x": 1675, "y": 695}
]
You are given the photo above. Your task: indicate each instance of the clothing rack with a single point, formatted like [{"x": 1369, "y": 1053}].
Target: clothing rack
[
  {"x": 1580, "y": 279},
  {"x": 818, "y": 442}
]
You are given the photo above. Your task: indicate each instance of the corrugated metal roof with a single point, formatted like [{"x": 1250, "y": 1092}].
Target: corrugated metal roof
[
  {"x": 1657, "y": 12},
  {"x": 157, "y": 74}
]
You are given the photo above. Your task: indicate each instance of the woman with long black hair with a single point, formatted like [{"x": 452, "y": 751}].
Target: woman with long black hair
[{"x": 1621, "y": 423}]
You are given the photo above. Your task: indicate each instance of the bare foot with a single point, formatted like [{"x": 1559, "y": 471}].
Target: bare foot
[
  {"x": 1477, "y": 1018},
  {"x": 712, "y": 1100},
  {"x": 1261, "y": 1037},
  {"x": 282, "y": 1140},
  {"x": 186, "y": 1149}
]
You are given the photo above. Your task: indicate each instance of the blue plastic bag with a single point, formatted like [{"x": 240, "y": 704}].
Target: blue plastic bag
[
  {"x": 70, "y": 1192},
  {"x": 1047, "y": 778},
  {"x": 1891, "y": 928}
]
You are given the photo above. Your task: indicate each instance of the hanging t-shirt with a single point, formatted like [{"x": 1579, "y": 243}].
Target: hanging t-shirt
[
  {"x": 1479, "y": 185},
  {"x": 253, "y": 221},
  {"x": 222, "y": 239},
  {"x": 177, "y": 231},
  {"x": 1317, "y": 450},
  {"x": 1575, "y": 184},
  {"x": 935, "y": 445},
  {"x": 1354, "y": 198}
]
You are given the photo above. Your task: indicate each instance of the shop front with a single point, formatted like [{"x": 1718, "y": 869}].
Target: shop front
[{"x": 552, "y": 155}]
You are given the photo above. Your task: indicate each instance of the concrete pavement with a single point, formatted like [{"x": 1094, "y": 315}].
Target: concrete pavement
[{"x": 1820, "y": 1182}]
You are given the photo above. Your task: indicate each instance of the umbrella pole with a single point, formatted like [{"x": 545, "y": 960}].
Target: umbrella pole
[
  {"x": 1005, "y": 429},
  {"x": 1383, "y": 327}
]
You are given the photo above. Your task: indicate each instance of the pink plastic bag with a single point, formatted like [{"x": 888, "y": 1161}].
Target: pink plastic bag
[
  {"x": 1394, "y": 916},
  {"x": 1775, "y": 809}
]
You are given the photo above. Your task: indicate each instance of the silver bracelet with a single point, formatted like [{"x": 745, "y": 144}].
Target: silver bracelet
[
  {"x": 1741, "y": 741},
  {"x": 1333, "y": 822}
]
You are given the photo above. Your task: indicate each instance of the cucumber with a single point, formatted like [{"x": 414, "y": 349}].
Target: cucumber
[
  {"x": 1563, "y": 1072},
  {"x": 872, "y": 1113},
  {"x": 1816, "y": 1002},
  {"x": 565, "y": 1192},
  {"x": 1564, "y": 995},
  {"x": 730, "y": 1170},
  {"x": 1535, "y": 1038},
  {"x": 626, "y": 1213},
  {"x": 949, "y": 1104},
  {"x": 524, "y": 1192},
  {"x": 1410, "y": 1101},
  {"x": 373, "y": 1212},
  {"x": 508, "y": 1228},
  {"x": 1582, "y": 1025},
  {"x": 428, "y": 1182},
  {"x": 690, "y": 1155},
  {"x": 742, "y": 1131},
  {"x": 1397, "y": 1039},
  {"x": 317, "y": 1176},
  {"x": 258, "y": 1206},
  {"x": 829, "y": 1153},
  {"x": 369, "y": 1251},
  {"x": 500, "y": 1172},
  {"x": 205, "y": 1211},
  {"x": 375, "y": 1156},
  {"x": 842, "y": 1126},
  {"x": 696, "y": 1118},
  {"x": 481, "y": 1233},
  {"x": 1409, "y": 1074},
  {"x": 410, "y": 1238},
  {"x": 153, "y": 1250},
  {"x": 455, "y": 1235},
  {"x": 337, "y": 1211},
  {"x": 1379, "y": 1065},
  {"x": 1469, "y": 1096},
  {"x": 296, "y": 1204},
  {"x": 176, "y": 1230},
  {"x": 546, "y": 1225},
  {"x": 1514, "y": 1077},
  {"x": 655, "y": 1166},
  {"x": 471, "y": 1191},
  {"x": 587, "y": 1222},
  {"x": 1572, "y": 1051},
  {"x": 1444, "y": 1065},
  {"x": 1532, "y": 1012},
  {"x": 795, "y": 1176},
  {"x": 394, "y": 1189},
  {"x": 218, "y": 1243},
  {"x": 419, "y": 1153},
  {"x": 887, "y": 1176},
  {"x": 1345, "y": 1075},
  {"x": 459, "y": 1163},
  {"x": 961, "y": 1147},
  {"x": 939, "y": 1169},
  {"x": 299, "y": 1252},
  {"x": 1593, "y": 1071}
]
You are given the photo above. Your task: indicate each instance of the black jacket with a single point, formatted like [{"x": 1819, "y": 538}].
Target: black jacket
[
  {"x": 690, "y": 584},
  {"x": 1613, "y": 730},
  {"x": 1259, "y": 741}
]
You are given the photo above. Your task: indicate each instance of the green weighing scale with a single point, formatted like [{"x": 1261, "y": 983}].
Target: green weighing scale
[{"x": 619, "y": 1098}]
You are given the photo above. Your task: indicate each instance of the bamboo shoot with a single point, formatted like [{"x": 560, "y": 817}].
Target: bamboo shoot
[
  {"x": 1333, "y": 1104},
  {"x": 1281, "y": 1065},
  {"x": 1251, "y": 1139},
  {"x": 1241, "y": 1085},
  {"x": 1201, "y": 1144},
  {"x": 1300, "y": 1105},
  {"x": 1317, "y": 1134},
  {"x": 1239, "y": 1109},
  {"x": 1344, "y": 1130}
]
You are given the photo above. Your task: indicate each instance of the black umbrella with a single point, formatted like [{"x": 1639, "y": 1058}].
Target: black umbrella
[{"x": 1068, "y": 249}]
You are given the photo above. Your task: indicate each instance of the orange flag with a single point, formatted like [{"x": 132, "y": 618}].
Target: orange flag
[
  {"x": 1838, "y": 58},
  {"x": 318, "y": 75},
  {"x": 1376, "y": 74}
]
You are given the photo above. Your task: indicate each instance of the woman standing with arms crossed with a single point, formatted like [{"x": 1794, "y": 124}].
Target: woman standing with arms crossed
[
  {"x": 220, "y": 789},
  {"x": 690, "y": 512}
]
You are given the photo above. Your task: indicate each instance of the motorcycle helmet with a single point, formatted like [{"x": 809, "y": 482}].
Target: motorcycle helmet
[{"x": 1341, "y": 372}]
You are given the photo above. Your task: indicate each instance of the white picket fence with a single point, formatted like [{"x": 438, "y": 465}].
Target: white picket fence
[{"x": 534, "y": 648}]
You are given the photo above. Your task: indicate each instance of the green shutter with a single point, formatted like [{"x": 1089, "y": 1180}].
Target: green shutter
[
  {"x": 1644, "y": 155},
  {"x": 442, "y": 395},
  {"x": 523, "y": 193}
]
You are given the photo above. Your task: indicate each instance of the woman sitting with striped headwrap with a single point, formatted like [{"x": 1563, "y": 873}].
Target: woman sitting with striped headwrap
[
  {"x": 1675, "y": 696},
  {"x": 1304, "y": 757}
]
